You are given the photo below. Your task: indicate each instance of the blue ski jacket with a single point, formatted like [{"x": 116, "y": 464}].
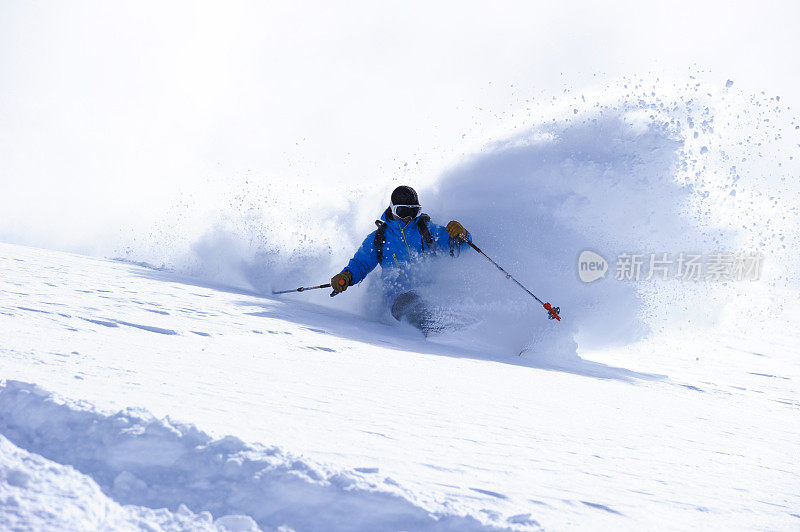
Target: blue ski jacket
[{"x": 403, "y": 249}]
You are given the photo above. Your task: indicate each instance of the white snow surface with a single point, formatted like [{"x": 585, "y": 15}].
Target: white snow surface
[
  {"x": 38, "y": 494},
  {"x": 163, "y": 391},
  {"x": 150, "y": 462}
]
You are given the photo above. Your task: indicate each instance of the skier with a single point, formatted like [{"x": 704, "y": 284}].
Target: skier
[{"x": 403, "y": 239}]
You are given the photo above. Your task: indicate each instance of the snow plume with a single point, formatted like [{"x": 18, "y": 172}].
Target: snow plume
[
  {"x": 638, "y": 168},
  {"x": 640, "y": 175},
  {"x": 534, "y": 202},
  {"x": 250, "y": 233}
]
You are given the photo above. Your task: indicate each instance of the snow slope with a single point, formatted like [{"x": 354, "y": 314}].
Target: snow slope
[{"x": 165, "y": 391}]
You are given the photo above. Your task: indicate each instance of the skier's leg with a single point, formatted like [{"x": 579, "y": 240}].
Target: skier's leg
[{"x": 409, "y": 307}]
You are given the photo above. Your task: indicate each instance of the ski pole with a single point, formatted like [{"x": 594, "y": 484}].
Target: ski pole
[
  {"x": 302, "y": 289},
  {"x": 552, "y": 312}
]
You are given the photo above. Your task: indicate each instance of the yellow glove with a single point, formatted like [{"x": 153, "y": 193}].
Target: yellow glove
[
  {"x": 457, "y": 231},
  {"x": 341, "y": 281}
]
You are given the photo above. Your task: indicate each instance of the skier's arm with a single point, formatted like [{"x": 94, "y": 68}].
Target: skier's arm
[{"x": 364, "y": 261}]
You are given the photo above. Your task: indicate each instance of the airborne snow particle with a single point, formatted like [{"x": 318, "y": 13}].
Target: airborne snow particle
[{"x": 728, "y": 83}]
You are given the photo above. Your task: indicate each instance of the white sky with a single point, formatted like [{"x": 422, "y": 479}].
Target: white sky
[{"x": 108, "y": 109}]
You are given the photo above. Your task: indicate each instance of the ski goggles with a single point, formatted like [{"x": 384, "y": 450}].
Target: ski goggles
[{"x": 405, "y": 211}]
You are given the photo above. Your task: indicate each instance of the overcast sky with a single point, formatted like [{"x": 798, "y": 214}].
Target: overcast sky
[{"x": 108, "y": 108}]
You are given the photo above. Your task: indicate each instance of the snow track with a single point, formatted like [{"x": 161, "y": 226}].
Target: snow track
[
  {"x": 37, "y": 494},
  {"x": 139, "y": 460}
]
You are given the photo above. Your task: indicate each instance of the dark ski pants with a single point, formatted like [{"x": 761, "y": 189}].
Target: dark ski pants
[{"x": 409, "y": 307}]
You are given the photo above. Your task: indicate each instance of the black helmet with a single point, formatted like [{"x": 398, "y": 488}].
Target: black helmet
[{"x": 405, "y": 203}]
